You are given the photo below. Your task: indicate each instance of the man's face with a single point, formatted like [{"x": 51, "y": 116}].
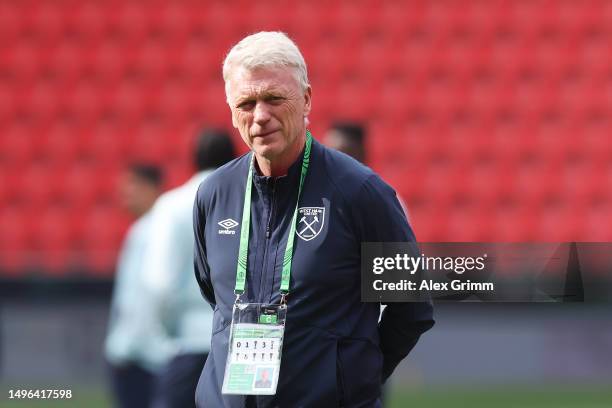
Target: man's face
[
  {"x": 137, "y": 195},
  {"x": 268, "y": 108}
]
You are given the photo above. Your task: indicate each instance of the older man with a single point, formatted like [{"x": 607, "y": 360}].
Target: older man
[{"x": 282, "y": 226}]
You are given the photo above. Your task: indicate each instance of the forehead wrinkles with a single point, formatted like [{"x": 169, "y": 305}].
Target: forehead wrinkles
[
  {"x": 257, "y": 89},
  {"x": 258, "y": 83}
]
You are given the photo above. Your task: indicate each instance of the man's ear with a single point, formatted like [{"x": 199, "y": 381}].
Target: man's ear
[
  {"x": 229, "y": 104},
  {"x": 307, "y": 100},
  {"x": 234, "y": 123}
]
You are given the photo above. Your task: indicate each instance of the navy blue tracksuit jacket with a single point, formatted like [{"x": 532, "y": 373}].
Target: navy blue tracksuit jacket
[{"x": 335, "y": 352}]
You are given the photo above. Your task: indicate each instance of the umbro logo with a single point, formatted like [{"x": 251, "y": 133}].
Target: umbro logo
[{"x": 228, "y": 226}]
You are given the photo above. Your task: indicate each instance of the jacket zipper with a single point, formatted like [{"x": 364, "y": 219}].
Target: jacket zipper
[{"x": 264, "y": 269}]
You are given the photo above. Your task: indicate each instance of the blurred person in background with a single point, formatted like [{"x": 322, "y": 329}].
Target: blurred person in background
[
  {"x": 175, "y": 297},
  {"x": 134, "y": 348},
  {"x": 349, "y": 138}
]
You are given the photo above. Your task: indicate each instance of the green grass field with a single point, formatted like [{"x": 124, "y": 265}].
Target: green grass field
[
  {"x": 504, "y": 398},
  {"x": 81, "y": 398},
  {"x": 558, "y": 397}
]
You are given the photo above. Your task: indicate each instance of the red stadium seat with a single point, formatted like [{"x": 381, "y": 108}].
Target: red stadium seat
[
  {"x": 514, "y": 222},
  {"x": 16, "y": 245},
  {"x": 429, "y": 221},
  {"x": 558, "y": 222},
  {"x": 470, "y": 223},
  {"x": 54, "y": 238},
  {"x": 102, "y": 233},
  {"x": 19, "y": 144},
  {"x": 35, "y": 186},
  {"x": 596, "y": 226},
  {"x": 62, "y": 144},
  {"x": 106, "y": 143}
]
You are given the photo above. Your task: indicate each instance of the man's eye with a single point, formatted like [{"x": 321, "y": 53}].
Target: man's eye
[
  {"x": 247, "y": 105},
  {"x": 275, "y": 99}
]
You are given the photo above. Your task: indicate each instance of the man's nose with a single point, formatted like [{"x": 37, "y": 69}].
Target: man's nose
[{"x": 262, "y": 113}]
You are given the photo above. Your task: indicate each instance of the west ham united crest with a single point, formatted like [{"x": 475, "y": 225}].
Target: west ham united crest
[{"x": 310, "y": 222}]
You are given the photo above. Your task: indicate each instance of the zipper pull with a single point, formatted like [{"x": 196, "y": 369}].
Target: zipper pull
[{"x": 272, "y": 185}]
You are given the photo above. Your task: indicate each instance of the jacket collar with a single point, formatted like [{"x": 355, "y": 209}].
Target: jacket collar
[{"x": 292, "y": 176}]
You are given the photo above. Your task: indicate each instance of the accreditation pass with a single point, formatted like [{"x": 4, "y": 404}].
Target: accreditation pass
[{"x": 253, "y": 360}]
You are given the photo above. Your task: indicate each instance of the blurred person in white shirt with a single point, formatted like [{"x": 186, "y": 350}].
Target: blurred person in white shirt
[
  {"x": 176, "y": 299},
  {"x": 135, "y": 347}
]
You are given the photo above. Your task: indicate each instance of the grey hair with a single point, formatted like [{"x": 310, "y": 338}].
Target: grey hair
[{"x": 266, "y": 49}]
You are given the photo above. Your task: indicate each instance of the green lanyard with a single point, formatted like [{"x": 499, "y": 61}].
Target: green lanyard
[{"x": 241, "y": 267}]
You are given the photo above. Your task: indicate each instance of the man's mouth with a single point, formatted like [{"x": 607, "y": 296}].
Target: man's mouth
[{"x": 264, "y": 134}]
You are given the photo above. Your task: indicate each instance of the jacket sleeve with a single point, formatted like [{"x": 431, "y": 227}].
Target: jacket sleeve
[
  {"x": 381, "y": 218},
  {"x": 201, "y": 268}
]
